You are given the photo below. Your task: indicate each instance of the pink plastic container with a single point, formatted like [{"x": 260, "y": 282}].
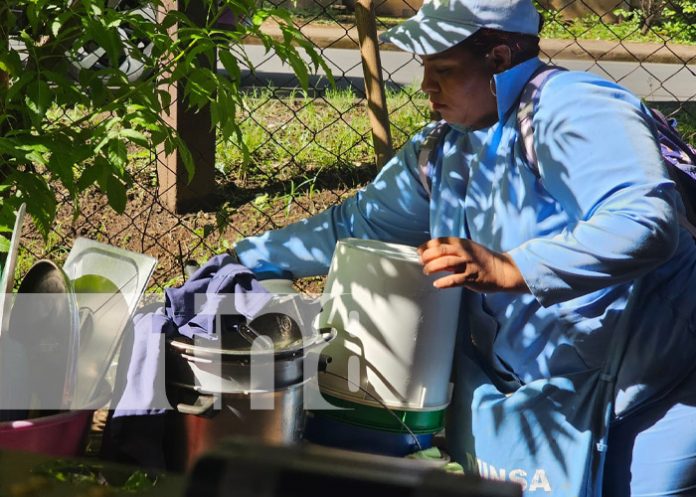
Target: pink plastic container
[{"x": 62, "y": 434}]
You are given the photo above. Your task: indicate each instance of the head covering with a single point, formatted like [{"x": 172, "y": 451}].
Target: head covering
[{"x": 441, "y": 24}]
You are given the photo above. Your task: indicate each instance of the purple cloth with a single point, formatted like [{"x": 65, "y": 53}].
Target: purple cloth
[
  {"x": 191, "y": 311},
  {"x": 144, "y": 388},
  {"x": 210, "y": 287},
  {"x": 224, "y": 285}
]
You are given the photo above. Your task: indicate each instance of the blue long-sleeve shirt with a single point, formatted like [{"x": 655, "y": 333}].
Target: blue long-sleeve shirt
[{"x": 599, "y": 213}]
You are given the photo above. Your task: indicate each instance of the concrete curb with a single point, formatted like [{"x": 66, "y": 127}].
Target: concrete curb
[
  {"x": 619, "y": 51},
  {"x": 326, "y": 36}
]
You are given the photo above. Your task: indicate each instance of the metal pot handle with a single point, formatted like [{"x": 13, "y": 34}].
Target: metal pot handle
[{"x": 202, "y": 407}]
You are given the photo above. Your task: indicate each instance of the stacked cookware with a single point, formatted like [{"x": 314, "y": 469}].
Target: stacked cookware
[
  {"x": 251, "y": 381},
  {"x": 389, "y": 377}
]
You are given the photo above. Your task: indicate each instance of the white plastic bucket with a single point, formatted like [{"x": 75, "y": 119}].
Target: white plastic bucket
[{"x": 395, "y": 331}]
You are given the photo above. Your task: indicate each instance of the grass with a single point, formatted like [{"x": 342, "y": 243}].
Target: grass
[
  {"x": 593, "y": 27},
  {"x": 303, "y": 134}
]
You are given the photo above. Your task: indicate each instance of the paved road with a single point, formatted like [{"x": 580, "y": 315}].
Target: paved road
[
  {"x": 652, "y": 81},
  {"x": 655, "y": 82}
]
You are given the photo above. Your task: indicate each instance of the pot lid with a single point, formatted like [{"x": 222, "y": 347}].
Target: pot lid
[
  {"x": 269, "y": 334},
  {"x": 109, "y": 283},
  {"x": 44, "y": 320}
]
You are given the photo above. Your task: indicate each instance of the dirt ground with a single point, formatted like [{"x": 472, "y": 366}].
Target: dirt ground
[{"x": 147, "y": 226}]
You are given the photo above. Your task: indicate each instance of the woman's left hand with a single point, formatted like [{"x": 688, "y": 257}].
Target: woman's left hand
[{"x": 472, "y": 265}]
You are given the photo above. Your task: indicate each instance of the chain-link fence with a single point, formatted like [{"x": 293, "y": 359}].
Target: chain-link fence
[{"x": 312, "y": 149}]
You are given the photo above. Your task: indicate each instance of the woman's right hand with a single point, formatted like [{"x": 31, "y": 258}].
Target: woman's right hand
[{"x": 471, "y": 265}]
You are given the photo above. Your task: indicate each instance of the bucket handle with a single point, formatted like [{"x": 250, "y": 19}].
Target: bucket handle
[{"x": 202, "y": 407}]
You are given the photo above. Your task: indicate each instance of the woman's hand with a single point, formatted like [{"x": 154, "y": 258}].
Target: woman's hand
[{"x": 472, "y": 266}]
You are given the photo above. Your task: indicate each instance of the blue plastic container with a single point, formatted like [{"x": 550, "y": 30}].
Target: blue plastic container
[{"x": 324, "y": 430}]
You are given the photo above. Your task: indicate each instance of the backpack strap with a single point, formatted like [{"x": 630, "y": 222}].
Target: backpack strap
[
  {"x": 426, "y": 154},
  {"x": 671, "y": 142},
  {"x": 680, "y": 159},
  {"x": 525, "y": 112}
]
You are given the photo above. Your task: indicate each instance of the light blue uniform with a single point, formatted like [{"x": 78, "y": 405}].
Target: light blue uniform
[{"x": 601, "y": 213}]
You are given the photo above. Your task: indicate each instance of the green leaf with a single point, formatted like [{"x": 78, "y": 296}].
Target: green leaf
[
  {"x": 101, "y": 173},
  {"x": 32, "y": 13},
  {"x": 89, "y": 176},
  {"x": 300, "y": 69},
  {"x": 186, "y": 158},
  {"x": 173, "y": 17},
  {"x": 16, "y": 90},
  {"x": 200, "y": 87},
  {"x": 135, "y": 136},
  {"x": 259, "y": 17},
  {"x": 138, "y": 481},
  {"x": 4, "y": 244},
  {"x": 106, "y": 38},
  {"x": 38, "y": 98},
  {"x": 116, "y": 193},
  {"x": 95, "y": 87},
  {"x": 34, "y": 151},
  {"x": 229, "y": 62},
  {"x": 118, "y": 154},
  {"x": 40, "y": 198},
  {"x": 61, "y": 164},
  {"x": 7, "y": 146},
  {"x": 165, "y": 99},
  {"x": 10, "y": 62}
]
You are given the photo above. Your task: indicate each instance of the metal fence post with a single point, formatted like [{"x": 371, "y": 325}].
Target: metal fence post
[
  {"x": 374, "y": 81},
  {"x": 175, "y": 190}
]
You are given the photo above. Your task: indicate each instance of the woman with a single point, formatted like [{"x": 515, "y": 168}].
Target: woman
[{"x": 554, "y": 252}]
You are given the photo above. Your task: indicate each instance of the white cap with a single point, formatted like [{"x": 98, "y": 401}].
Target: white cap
[{"x": 442, "y": 24}]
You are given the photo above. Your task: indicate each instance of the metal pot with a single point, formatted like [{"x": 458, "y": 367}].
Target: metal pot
[
  {"x": 265, "y": 355},
  {"x": 250, "y": 384},
  {"x": 204, "y": 420}
]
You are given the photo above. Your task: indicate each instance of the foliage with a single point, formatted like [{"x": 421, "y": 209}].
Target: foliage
[
  {"x": 61, "y": 122},
  {"x": 84, "y": 474},
  {"x": 676, "y": 23},
  {"x": 679, "y": 19}
]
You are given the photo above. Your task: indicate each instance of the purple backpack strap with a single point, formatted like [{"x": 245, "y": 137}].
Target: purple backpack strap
[
  {"x": 679, "y": 156},
  {"x": 680, "y": 159},
  {"x": 425, "y": 156},
  {"x": 526, "y": 108}
]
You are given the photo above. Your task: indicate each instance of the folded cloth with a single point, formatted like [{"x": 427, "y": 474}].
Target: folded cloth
[
  {"x": 192, "y": 311},
  {"x": 218, "y": 280}
]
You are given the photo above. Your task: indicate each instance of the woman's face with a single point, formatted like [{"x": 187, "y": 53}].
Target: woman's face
[{"x": 459, "y": 87}]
